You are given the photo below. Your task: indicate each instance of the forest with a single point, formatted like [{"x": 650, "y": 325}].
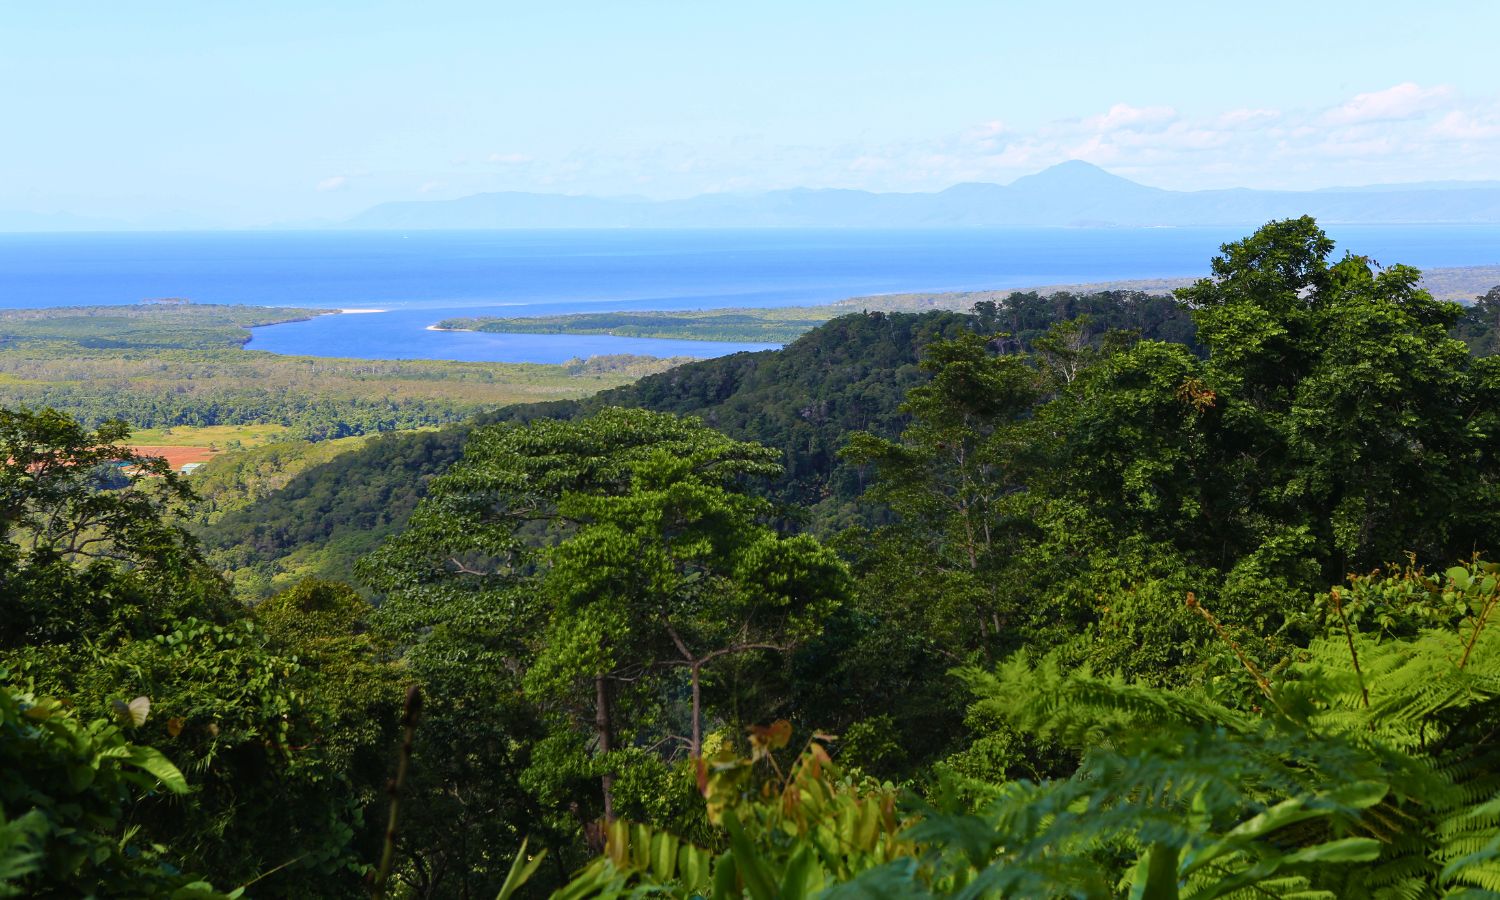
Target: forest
[
  {"x": 161, "y": 365},
  {"x": 1084, "y": 596}
]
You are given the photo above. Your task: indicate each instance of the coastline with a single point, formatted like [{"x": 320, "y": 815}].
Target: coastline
[{"x": 1456, "y": 283}]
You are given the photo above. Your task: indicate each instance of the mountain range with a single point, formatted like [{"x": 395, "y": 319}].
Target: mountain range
[{"x": 1069, "y": 194}]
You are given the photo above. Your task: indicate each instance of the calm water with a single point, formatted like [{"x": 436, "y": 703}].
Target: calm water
[{"x": 426, "y": 276}]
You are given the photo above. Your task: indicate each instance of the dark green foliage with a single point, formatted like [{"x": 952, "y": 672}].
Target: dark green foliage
[
  {"x": 1088, "y": 630},
  {"x": 1480, "y": 325},
  {"x": 105, "y": 599},
  {"x": 1365, "y": 770},
  {"x": 848, "y": 375},
  {"x": 1027, "y": 318}
]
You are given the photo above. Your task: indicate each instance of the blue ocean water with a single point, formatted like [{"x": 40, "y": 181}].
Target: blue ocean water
[{"x": 422, "y": 277}]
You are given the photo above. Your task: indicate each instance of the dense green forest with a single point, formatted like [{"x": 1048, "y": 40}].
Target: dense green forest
[
  {"x": 849, "y": 375},
  {"x": 1080, "y": 597},
  {"x": 164, "y": 365}
]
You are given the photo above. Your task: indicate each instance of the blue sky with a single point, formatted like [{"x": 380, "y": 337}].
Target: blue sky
[{"x": 239, "y": 113}]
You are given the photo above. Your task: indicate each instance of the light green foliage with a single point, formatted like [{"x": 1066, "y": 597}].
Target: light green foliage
[
  {"x": 241, "y": 478},
  {"x": 797, "y": 834}
]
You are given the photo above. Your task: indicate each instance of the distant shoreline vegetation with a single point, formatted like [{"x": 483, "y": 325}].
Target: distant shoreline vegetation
[
  {"x": 785, "y": 324},
  {"x": 773, "y": 326},
  {"x": 164, "y": 365},
  {"x": 165, "y": 323}
]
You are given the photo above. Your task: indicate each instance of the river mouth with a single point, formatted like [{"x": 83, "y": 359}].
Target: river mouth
[{"x": 407, "y": 334}]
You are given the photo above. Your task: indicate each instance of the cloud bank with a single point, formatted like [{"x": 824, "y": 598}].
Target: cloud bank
[{"x": 1400, "y": 133}]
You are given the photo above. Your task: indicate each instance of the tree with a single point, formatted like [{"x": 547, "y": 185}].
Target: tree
[
  {"x": 91, "y": 546},
  {"x": 948, "y": 479},
  {"x": 677, "y": 571},
  {"x": 1338, "y": 398},
  {"x": 1332, "y": 426},
  {"x": 591, "y": 562},
  {"x": 1480, "y": 325},
  {"x": 104, "y": 597}
]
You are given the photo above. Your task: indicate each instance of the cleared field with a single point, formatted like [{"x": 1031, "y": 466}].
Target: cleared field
[
  {"x": 176, "y": 457},
  {"x": 219, "y": 436}
]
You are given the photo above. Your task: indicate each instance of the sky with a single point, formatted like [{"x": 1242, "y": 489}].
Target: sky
[{"x": 242, "y": 114}]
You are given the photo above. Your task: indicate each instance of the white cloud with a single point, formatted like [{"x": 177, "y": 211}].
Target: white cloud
[
  {"x": 869, "y": 164},
  {"x": 1123, "y": 115},
  {"x": 1248, "y": 118},
  {"x": 1469, "y": 126},
  {"x": 1404, "y": 101},
  {"x": 333, "y": 183},
  {"x": 1405, "y": 133}
]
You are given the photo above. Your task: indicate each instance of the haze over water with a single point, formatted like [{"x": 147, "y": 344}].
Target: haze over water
[{"x": 423, "y": 277}]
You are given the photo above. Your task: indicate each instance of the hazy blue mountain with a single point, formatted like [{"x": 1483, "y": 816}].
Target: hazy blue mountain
[
  {"x": 1418, "y": 186},
  {"x": 1072, "y": 193},
  {"x": 26, "y": 221},
  {"x": 17, "y": 220}
]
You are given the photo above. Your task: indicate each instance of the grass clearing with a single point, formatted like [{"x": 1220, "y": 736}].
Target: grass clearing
[{"x": 218, "y": 436}]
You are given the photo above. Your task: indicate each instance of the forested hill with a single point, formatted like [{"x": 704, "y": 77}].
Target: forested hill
[
  {"x": 847, "y": 375},
  {"x": 1093, "y": 624}
]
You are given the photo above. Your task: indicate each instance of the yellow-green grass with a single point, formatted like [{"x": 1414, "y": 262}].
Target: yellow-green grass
[{"x": 209, "y": 435}]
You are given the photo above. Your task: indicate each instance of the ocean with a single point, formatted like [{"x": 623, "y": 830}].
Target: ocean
[{"x": 421, "y": 277}]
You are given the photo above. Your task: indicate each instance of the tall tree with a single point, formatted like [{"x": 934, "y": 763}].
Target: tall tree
[{"x": 598, "y": 558}]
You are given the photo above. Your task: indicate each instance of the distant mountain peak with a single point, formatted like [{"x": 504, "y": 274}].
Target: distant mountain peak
[
  {"x": 1072, "y": 168},
  {"x": 1070, "y": 193},
  {"x": 1075, "y": 174}
]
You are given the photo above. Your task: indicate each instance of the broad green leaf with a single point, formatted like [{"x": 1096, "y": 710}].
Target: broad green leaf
[{"x": 152, "y": 760}]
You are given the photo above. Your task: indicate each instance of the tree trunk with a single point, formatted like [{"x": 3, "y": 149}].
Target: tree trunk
[
  {"x": 606, "y": 741},
  {"x": 697, "y": 747}
]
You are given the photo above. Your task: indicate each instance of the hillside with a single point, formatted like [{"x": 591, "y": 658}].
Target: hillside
[
  {"x": 1012, "y": 580},
  {"x": 1069, "y": 194},
  {"x": 847, "y": 375}
]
